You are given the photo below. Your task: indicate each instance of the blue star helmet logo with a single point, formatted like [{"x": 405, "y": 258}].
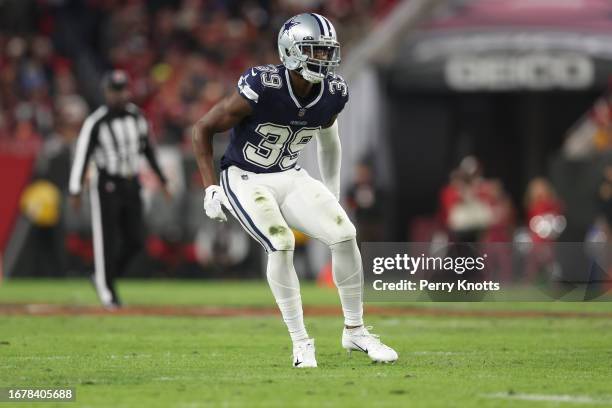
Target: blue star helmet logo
[
  {"x": 289, "y": 25},
  {"x": 242, "y": 82}
]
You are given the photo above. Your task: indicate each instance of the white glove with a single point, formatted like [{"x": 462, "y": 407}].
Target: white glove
[{"x": 214, "y": 199}]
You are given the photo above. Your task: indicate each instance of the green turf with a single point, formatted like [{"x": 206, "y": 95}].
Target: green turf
[
  {"x": 228, "y": 293},
  {"x": 123, "y": 361}
]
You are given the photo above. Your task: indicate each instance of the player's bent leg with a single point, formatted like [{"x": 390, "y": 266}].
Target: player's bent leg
[
  {"x": 255, "y": 207},
  {"x": 348, "y": 276},
  {"x": 312, "y": 209},
  {"x": 285, "y": 287}
]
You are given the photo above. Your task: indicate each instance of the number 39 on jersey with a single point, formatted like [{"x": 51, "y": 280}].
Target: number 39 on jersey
[
  {"x": 282, "y": 124},
  {"x": 279, "y": 145}
]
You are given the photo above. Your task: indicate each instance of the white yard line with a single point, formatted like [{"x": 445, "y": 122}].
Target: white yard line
[
  {"x": 439, "y": 353},
  {"x": 575, "y": 399}
]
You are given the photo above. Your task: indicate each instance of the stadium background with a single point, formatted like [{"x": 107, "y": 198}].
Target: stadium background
[{"x": 516, "y": 87}]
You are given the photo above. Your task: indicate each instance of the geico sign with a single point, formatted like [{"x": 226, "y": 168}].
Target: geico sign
[{"x": 533, "y": 71}]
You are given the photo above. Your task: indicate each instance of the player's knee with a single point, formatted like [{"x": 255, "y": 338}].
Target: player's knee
[
  {"x": 282, "y": 237},
  {"x": 343, "y": 230}
]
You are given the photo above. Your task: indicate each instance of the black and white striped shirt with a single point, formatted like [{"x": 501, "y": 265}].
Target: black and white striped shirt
[{"x": 115, "y": 138}]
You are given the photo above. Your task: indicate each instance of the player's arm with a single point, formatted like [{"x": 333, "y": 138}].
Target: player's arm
[
  {"x": 84, "y": 147},
  {"x": 329, "y": 152},
  {"x": 223, "y": 116}
]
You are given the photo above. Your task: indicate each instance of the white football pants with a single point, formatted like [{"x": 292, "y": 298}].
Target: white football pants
[{"x": 268, "y": 205}]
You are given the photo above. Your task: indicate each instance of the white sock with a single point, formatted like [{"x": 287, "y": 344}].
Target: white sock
[
  {"x": 285, "y": 287},
  {"x": 356, "y": 330},
  {"x": 348, "y": 277}
]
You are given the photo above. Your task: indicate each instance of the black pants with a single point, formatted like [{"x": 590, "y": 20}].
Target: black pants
[{"x": 117, "y": 224}]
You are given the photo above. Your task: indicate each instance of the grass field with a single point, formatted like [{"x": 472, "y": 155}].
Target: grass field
[{"x": 473, "y": 360}]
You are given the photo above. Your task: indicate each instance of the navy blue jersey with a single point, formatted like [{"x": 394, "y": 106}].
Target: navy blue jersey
[{"x": 271, "y": 138}]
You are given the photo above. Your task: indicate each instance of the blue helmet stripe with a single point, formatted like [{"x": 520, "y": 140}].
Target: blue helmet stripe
[
  {"x": 321, "y": 29},
  {"x": 329, "y": 26}
]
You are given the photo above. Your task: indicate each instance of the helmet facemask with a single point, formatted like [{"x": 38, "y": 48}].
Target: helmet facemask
[{"x": 318, "y": 58}]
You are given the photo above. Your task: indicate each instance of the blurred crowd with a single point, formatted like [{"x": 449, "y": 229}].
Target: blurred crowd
[
  {"x": 182, "y": 57},
  {"x": 476, "y": 209},
  {"x": 473, "y": 208}
]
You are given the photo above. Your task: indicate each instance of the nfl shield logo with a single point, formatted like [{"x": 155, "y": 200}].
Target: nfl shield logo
[
  {"x": 244, "y": 177},
  {"x": 301, "y": 112}
]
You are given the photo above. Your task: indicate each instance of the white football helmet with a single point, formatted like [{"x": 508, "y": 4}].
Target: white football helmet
[{"x": 307, "y": 43}]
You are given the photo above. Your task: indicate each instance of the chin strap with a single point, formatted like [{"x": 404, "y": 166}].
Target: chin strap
[
  {"x": 329, "y": 152},
  {"x": 313, "y": 79},
  {"x": 307, "y": 75}
]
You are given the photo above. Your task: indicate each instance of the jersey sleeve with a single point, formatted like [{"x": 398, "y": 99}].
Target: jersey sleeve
[
  {"x": 250, "y": 87},
  {"x": 339, "y": 89}
]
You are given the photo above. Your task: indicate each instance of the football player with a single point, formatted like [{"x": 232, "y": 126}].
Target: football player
[{"x": 273, "y": 113}]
